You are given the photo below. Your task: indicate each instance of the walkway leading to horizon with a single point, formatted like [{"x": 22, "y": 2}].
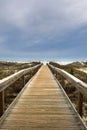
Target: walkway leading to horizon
[{"x": 42, "y": 105}]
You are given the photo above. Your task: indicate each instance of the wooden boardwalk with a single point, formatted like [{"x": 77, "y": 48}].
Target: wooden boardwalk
[{"x": 42, "y": 105}]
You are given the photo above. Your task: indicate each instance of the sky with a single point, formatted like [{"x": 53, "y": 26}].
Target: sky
[{"x": 43, "y": 30}]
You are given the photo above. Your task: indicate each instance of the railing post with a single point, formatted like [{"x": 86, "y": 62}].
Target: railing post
[
  {"x": 23, "y": 80},
  {"x": 1, "y": 103},
  {"x": 62, "y": 81},
  {"x": 30, "y": 73},
  {"x": 56, "y": 75},
  {"x": 80, "y": 104}
]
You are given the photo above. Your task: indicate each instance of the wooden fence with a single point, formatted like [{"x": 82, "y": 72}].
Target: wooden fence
[
  {"x": 6, "y": 82},
  {"x": 80, "y": 85}
]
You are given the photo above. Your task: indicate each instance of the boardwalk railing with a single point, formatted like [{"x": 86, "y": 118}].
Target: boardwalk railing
[
  {"x": 80, "y": 85},
  {"x": 6, "y": 82}
]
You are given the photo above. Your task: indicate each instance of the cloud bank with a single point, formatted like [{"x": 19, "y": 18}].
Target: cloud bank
[{"x": 53, "y": 27}]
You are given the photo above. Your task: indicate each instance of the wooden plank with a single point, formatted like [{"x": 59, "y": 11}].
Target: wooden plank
[{"x": 42, "y": 106}]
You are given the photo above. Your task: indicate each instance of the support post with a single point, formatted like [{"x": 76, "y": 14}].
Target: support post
[
  {"x": 56, "y": 75},
  {"x": 23, "y": 80},
  {"x": 62, "y": 81},
  {"x": 30, "y": 73},
  {"x": 80, "y": 104},
  {"x": 1, "y": 103}
]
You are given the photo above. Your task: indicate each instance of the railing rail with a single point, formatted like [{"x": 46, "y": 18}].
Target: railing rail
[
  {"x": 6, "y": 82},
  {"x": 80, "y": 85}
]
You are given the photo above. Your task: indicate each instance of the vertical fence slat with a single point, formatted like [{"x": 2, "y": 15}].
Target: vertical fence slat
[
  {"x": 1, "y": 103},
  {"x": 23, "y": 80},
  {"x": 80, "y": 104},
  {"x": 62, "y": 81}
]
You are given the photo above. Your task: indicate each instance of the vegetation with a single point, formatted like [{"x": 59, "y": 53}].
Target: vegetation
[{"x": 71, "y": 71}]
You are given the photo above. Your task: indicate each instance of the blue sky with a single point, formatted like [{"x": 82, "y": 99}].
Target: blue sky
[{"x": 43, "y": 30}]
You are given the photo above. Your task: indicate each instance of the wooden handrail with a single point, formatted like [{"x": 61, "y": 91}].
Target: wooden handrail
[
  {"x": 4, "y": 83},
  {"x": 80, "y": 85}
]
